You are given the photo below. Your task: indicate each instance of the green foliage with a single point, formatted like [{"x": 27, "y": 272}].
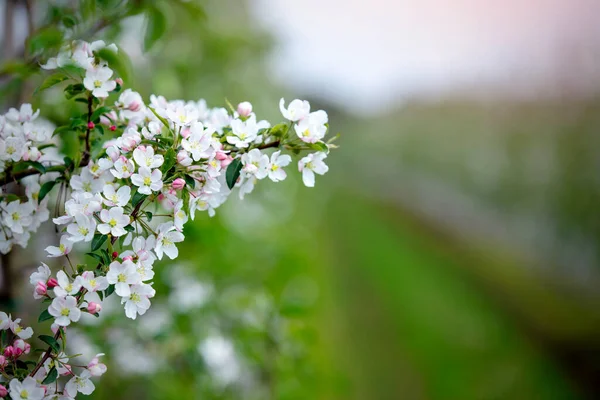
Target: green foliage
[
  {"x": 45, "y": 316},
  {"x": 98, "y": 241},
  {"x": 233, "y": 172},
  {"x": 50, "y": 341}
]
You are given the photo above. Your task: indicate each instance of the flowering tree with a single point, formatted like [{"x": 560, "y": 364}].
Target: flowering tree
[{"x": 143, "y": 170}]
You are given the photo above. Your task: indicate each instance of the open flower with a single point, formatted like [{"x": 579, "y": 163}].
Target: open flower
[
  {"x": 114, "y": 222},
  {"x": 147, "y": 180},
  {"x": 82, "y": 229},
  {"x": 310, "y": 165},
  {"x": 98, "y": 81},
  {"x": 64, "y": 310},
  {"x": 65, "y": 286},
  {"x": 144, "y": 157},
  {"x": 138, "y": 300},
  {"x": 116, "y": 197},
  {"x": 278, "y": 161},
  {"x": 81, "y": 384},
  {"x": 166, "y": 239},
  {"x": 26, "y": 390},
  {"x": 93, "y": 283},
  {"x": 122, "y": 275},
  {"x": 296, "y": 110},
  {"x": 63, "y": 249},
  {"x": 17, "y": 329}
]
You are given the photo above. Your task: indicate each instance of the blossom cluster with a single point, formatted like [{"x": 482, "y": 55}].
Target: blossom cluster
[{"x": 128, "y": 199}]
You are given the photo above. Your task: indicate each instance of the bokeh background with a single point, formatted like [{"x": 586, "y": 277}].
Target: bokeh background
[{"x": 453, "y": 250}]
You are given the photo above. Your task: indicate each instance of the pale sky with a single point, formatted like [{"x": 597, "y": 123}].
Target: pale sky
[{"x": 370, "y": 53}]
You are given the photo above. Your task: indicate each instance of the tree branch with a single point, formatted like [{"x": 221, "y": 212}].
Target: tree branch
[{"x": 8, "y": 177}]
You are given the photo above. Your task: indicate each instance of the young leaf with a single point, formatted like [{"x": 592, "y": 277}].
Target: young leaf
[
  {"x": 96, "y": 256},
  {"x": 50, "y": 81},
  {"x": 73, "y": 90},
  {"x": 233, "y": 172},
  {"x": 137, "y": 198},
  {"x": 51, "y": 377},
  {"x": 157, "y": 25},
  {"x": 50, "y": 341},
  {"x": 98, "y": 241},
  {"x": 44, "y": 316},
  {"x": 319, "y": 146},
  {"x": 45, "y": 189},
  {"x": 170, "y": 160}
]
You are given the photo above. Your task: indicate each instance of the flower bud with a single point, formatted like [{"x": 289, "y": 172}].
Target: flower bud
[
  {"x": 115, "y": 255},
  {"x": 113, "y": 128},
  {"x": 95, "y": 367},
  {"x": 244, "y": 109},
  {"x": 128, "y": 258},
  {"x": 119, "y": 81},
  {"x": 3, "y": 391},
  {"x": 178, "y": 184},
  {"x": 90, "y": 125},
  {"x": 32, "y": 154},
  {"x": 94, "y": 308},
  {"x": 9, "y": 352},
  {"x": 3, "y": 361},
  {"x": 226, "y": 161},
  {"x": 183, "y": 158},
  {"x": 52, "y": 283},
  {"x": 41, "y": 288},
  {"x": 21, "y": 347}
]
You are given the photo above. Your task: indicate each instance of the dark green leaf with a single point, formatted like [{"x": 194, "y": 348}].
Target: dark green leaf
[
  {"x": 190, "y": 181},
  {"x": 50, "y": 341},
  {"x": 45, "y": 189},
  {"x": 73, "y": 90},
  {"x": 233, "y": 172},
  {"x": 157, "y": 25},
  {"x": 68, "y": 162},
  {"x": 44, "y": 316},
  {"x": 96, "y": 256},
  {"x": 99, "y": 111},
  {"x": 170, "y": 160},
  {"x": 129, "y": 228},
  {"x": 109, "y": 290},
  {"x": 98, "y": 241},
  {"x": 50, "y": 81},
  {"x": 69, "y": 21},
  {"x": 51, "y": 377},
  {"x": 100, "y": 129},
  {"x": 148, "y": 216},
  {"x": 23, "y": 165},
  {"x": 320, "y": 146},
  {"x": 107, "y": 257},
  {"x": 137, "y": 198}
]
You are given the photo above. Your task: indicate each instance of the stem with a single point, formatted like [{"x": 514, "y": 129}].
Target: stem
[
  {"x": 85, "y": 159},
  {"x": 46, "y": 355},
  {"x": 268, "y": 145}
]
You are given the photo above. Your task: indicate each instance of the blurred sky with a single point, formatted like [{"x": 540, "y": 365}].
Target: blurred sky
[{"x": 370, "y": 54}]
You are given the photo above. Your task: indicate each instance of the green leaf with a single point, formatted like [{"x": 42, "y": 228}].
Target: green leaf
[
  {"x": 73, "y": 90},
  {"x": 69, "y": 21},
  {"x": 157, "y": 26},
  {"x": 99, "y": 111},
  {"x": 193, "y": 9},
  {"x": 109, "y": 291},
  {"x": 45, "y": 39},
  {"x": 170, "y": 160},
  {"x": 50, "y": 81},
  {"x": 148, "y": 215},
  {"x": 117, "y": 61},
  {"x": 319, "y": 146},
  {"x": 129, "y": 228},
  {"x": 98, "y": 241},
  {"x": 190, "y": 181},
  {"x": 100, "y": 129},
  {"x": 51, "y": 377},
  {"x": 69, "y": 164},
  {"x": 23, "y": 165},
  {"x": 161, "y": 119},
  {"x": 137, "y": 198},
  {"x": 233, "y": 172},
  {"x": 44, "y": 316},
  {"x": 45, "y": 189},
  {"x": 279, "y": 130},
  {"x": 107, "y": 257},
  {"x": 50, "y": 341},
  {"x": 96, "y": 256}
]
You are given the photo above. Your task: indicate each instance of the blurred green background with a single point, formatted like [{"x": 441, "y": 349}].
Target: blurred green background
[{"x": 451, "y": 252}]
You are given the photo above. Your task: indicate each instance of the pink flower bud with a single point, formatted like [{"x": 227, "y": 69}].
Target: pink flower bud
[
  {"x": 41, "y": 288},
  {"x": 3, "y": 391},
  {"x": 94, "y": 308},
  {"x": 178, "y": 184},
  {"x": 134, "y": 106},
  {"x": 183, "y": 158},
  {"x": 115, "y": 255},
  {"x": 226, "y": 161},
  {"x": 3, "y": 361},
  {"x": 95, "y": 367},
  {"x": 113, "y": 128},
  {"x": 9, "y": 352},
  {"x": 244, "y": 109},
  {"x": 52, "y": 283},
  {"x": 128, "y": 258},
  {"x": 21, "y": 346},
  {"x": 91, "y": 125},
  {"x": 119, "y": 81},
  {"x": 220, "y": 155}
]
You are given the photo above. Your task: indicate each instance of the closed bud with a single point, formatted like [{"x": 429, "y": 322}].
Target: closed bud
[
  {"x": 90, "y": 125},
  {"x": 115, "y": 255},
  {"x": 52, "y": 283},
  {"x": 9, "y": 352},
  {"x": 178, "y": 184},
  {"x": 3, "y": 361},
  {"x": 244, "y": 109},
  {"x": 41, "y": 288},
  {"x": 21, "y": 347},
  {"x": 94, "y": 308},
  {"x": 3, "y": 391},
  {"x": 113, "y": 128}
]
